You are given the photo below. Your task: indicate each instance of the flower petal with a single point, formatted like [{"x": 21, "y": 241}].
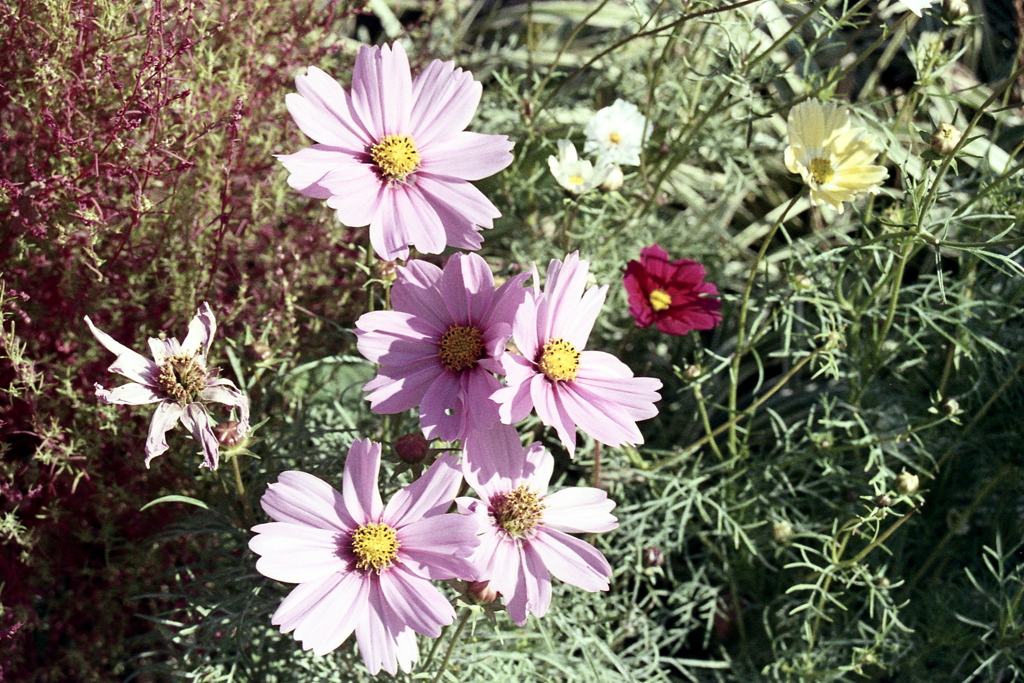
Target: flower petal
[
  {"x": 571, "y": 560},
  {"x": 130, "y": 364},
  {"x": 225, "y": 392},
  {"x": 296, "y": 553},
  {"x": 197, "y": 421},
  {"x": 438, "y": 547},
  {"x": 165, "y": 417},
  {"x": 469, "y": 156},
  {"x": 416, "y": 602},
  {"x": 444, "y": 101},
  {"x": 360, "y": 494},
  {"x": 128, "y": 394},
  {"x": 300, "y": 498},
  {"x": 430, "y": 495},
  {"x": 201, "y": 331},
  {"x": 330, "y": 620},
  {"x": 579, "y": 510},
  {"x": 382, "y": 89},
  {"x": 547, "y": 401}
]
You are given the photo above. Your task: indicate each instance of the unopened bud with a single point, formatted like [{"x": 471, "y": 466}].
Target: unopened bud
[
  {"x": 782, "y": 532},
  {"x": 692, "y": 372},
  {"x": 954, "y": 10},
  {"x": 945, "y": 139},
  {"x": 801, "y": 282},
  {"x": 385, "y": 271},
  {"x": 883, "y": 501},
  {"x": 653, "y": 556},
  {"x": 228, "y": 434},
  {"x": 482, "y": 592},
  {"x": 614, "y": 179},
  {"x": 412, "y": 448},
  {"x": 950, "y": 406},
  {"x": 907, "y": 483},
  {"x": 259, "y": 351}
]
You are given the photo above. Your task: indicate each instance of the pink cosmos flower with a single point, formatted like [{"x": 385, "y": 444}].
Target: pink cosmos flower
[
  {"x": 670, "y": 294},
  {"x": 523, "y": 530},
  {"x": 440, "y": 344},
  {"x": 179, "y": 381},
  {"x": 361, "y": 566},
  {"x": 568, "y": 386},
  {"x": 394, "y": 154}
]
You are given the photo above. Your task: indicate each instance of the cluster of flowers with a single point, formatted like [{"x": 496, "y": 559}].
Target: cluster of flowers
[{"x": 394, "y": 155}]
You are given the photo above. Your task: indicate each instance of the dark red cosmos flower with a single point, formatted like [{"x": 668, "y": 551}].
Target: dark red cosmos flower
[{"x": 670, "y": 294}]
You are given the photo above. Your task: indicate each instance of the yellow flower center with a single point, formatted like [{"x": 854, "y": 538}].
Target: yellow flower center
[
  {"x": 182, "y": 378},
  {"x": 517, "y": 512},
  {"x": 615, "y": 138},
  {"x": 660, "y": 300},
  {"x": 576, "y": 180},
  {"x": 461, "y": 347},
  {"x": 821, "y": 170},
  {"x": 395, "y": 156},
  {"x": 376, "y": 546},
  {"x": 559, "y": 360}
]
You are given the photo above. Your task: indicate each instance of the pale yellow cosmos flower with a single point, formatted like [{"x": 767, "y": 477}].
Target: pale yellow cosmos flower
[{"x": 835, "y": 159}]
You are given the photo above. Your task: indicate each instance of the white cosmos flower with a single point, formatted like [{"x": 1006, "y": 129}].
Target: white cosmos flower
[
  {"x": 616, "y": 134},
  {"x": 574, "y": 174}
]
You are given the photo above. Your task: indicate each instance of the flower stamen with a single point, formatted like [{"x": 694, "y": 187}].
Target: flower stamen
[
  {"x": 517, "y": 512},
  {"x": 559, "y": 360},
  {"x": 461, "y": 347},
  {"x": 614, "y": 138},
  {"x": 395, "y": 156},
  {"x": 660, "y": 300},
  {"x": 182, "y": 378},
  {"x": 375, "y": 547},
  {"x": 821, "y": 170}
]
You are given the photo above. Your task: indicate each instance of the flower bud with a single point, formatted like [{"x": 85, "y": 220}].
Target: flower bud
[
  {"x": 228, "y": 434},
  {"x": 412, "y": 448},
  {"x": 385, "y": 271},
  {"x": 945, "y": 139},
  {"x": 259, "y": 351},
  {"x": 950, "y": 406},
  {"x": 653, "y": 556},
  {"x": 801, "y": 282},
  {"x": 907, "y": 483},
  {"x": 692, "y": 372},
  {"x": 782, "y": 532},
  {"x": 614, "y": 179},
  {"x": 883, "y": 501},
  {"x": 954, "y": 10},
  {"x": 482, "y": 592}
]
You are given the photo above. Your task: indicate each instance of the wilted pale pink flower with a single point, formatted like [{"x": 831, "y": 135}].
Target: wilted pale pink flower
[
  {"x": 440, "y": 344},
  {"x": 394, "y": 154},
  {"x": 670, "y": 294},
  {"x": 179, "y": 381},
  {"x": 361, "y": 566},
  {"x": 523, "y": 530},
  {"x": 568, "y": 386}
]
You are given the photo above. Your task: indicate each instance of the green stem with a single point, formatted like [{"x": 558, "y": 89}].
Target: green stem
[
  {"x": 463, "y": 619},
  {"x": 742, "y": 324}
]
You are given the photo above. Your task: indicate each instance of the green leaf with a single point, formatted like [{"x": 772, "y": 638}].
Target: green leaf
[{"x": 175, "y": 499}]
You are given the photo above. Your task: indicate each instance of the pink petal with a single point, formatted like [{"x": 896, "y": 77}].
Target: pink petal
[
  {"x": 165, "y": 417},
  {"x": 301, "y": 600},
  {"x": 443, "y": 395},
  {"x": 506, "y": 301},
  {"x": 563, "y": 290},
  {"x": 162, "y": 349},
  {"x": 201, "y": 331},
  {"x": 466, "y": 155},
  {"x": 506, "y": 575},
  {"x": 296, "y": 553},
  {"x": 571, "y": 560},
  {"x": 579, "y": 510},
  {"x": 514, "y": 400},
  {"x": 323, "y": 111},
  {"x": 128, "y": 394},
  {"x": 129, "y": 364},
  {"x": 416, "y": 602},
  {"x": 607, "y": 422},
  {"x": 605, "y": 376},
  {"x": 547, "y": 402},
  {"x": 226, "y": 393},
  {"x": 359, "y": 492},
  {"x": 532, "y": 592},
  {"x": 575, "y": 318},
  {"x": 302, "y": 499},
  {"x": 457, "y": 201},
  {"x": 377, "y": 633},
  {"x": 331, "y": 619},
  {"x": 467, "y": 288},
  {"x": 401, "y": 388},
  {"x": 382, "y": 89},
  {"x": 404, "y": 218},
  {"x": 494, "y": 460},
  {"x": 431, "y": 494},
  {"x": 481, "y": 412},
  {"x": 444, "y": 101},
  {"x": 524, "y": 326},
  {"x": 538, "y": 467},
  {"x": 416, "y": 292},
  {"x": 438, "y": 547},
  {"x": 197, "y": 422},
  {"x": 396, "y": 338},
  {"x": 357, "y": 194}
]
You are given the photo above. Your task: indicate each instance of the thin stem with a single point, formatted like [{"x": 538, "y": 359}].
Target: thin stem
[
  {"x": 742, "y": 324},
  {"x": 463, "y": 619}
]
